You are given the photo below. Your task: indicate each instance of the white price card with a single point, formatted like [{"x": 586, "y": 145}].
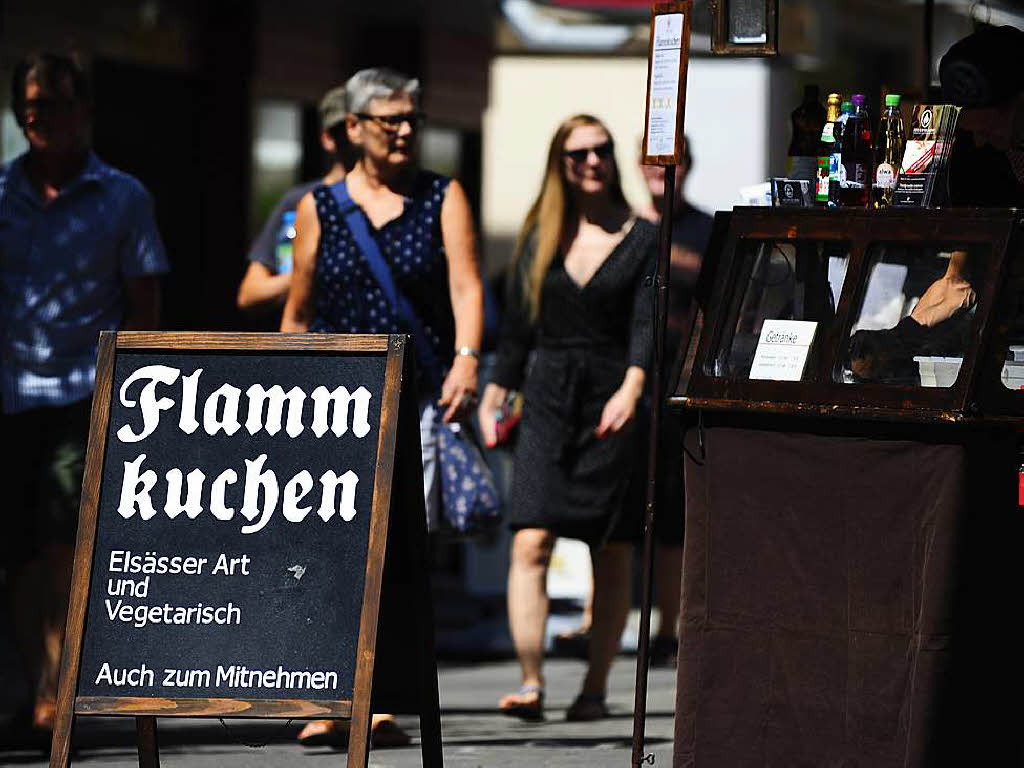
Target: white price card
[
  {"x": 663, "y": 98},
  {"x": 782, "y": 350}
]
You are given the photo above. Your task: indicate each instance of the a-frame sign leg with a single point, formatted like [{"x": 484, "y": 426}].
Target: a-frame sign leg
[
  {"x": 411, "y": 474},
  {"x": 145, "y": 737},
  {"x": 397, "y": 578},
  {"x": 411, "y": 520},
  {"x": 407, "y": 583},
  {"x": 359, "y": 738}
]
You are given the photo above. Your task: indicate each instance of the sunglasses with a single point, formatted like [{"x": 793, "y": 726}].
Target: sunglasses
[
  {"x": 603, "y": 152},
  {"x": 391, "y": 123}
]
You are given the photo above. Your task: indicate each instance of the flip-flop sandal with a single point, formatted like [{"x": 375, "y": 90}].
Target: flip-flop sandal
[
  {"x": 586, "y": 708},
  {"x": 319, "y": 733},
  {"x": 387, "y": 733},
  {"x": 531, "y": 712}
]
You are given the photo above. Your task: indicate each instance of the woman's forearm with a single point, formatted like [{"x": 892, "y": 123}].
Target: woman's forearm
[
  {"x": 633, "y": 381},
  {"x": 468, "y": 307}
]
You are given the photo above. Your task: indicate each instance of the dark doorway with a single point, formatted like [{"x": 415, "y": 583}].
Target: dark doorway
[{"x": 147, "y": 123}]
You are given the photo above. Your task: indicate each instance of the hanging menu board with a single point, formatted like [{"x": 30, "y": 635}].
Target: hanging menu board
[{"x": 666, "y": 83}]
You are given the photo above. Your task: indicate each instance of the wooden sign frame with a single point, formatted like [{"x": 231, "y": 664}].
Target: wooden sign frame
[
  {"x": 663, "y": 9},
  {"x": 722, "y": 46},
  {"x": 398, "y": 430}
]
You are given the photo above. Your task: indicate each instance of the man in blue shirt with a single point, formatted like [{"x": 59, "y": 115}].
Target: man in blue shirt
[{"x": 79, "y": 253}]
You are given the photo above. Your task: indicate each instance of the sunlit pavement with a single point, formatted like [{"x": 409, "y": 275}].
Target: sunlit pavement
[{"x": 474, "y": 734}]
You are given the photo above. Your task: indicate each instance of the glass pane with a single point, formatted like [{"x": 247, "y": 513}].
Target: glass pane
[
  {"x": 1013, "y": 369},
  {"x": 914, "y": 322},
  {"x": 748, "y": 22},
  {"x": 785, "y": 280}
]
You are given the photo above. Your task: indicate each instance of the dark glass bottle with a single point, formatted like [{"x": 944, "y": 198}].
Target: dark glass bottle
[
  {"x": 836, "y": 172},
  {"x": 858, "y": 157},
  {"x": 805, "y": 122}
]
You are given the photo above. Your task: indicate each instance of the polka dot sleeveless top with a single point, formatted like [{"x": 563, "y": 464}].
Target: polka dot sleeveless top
[{"x": 348, "y": 298}]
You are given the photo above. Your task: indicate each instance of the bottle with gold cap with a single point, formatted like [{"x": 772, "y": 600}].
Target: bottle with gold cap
[{"x": 825, "y": 149}]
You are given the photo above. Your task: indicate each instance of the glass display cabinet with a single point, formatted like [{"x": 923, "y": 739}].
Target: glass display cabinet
[
  {"x": 906, "y": 315},
  {"x": 854, "y": 392}
]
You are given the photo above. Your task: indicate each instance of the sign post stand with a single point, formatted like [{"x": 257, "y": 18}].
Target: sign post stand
[
  {"x": 663, "y": 145},
  {"x": 285, "y": 605}
]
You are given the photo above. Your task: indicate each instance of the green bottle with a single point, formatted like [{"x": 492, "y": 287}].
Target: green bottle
[{"x": 825, "y": 148}]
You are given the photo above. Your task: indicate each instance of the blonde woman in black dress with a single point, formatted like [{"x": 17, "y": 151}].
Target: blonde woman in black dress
[{"x": 582, "y": 304}]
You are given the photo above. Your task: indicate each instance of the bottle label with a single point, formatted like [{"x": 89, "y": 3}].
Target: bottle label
[
  {"x": 828, "y": 132},
  {"x": 821, "y": 187},
  {"x": 885, "y": 176},
  {"x": 853, "y": 175},
  {"x": 835, "y": 167}
]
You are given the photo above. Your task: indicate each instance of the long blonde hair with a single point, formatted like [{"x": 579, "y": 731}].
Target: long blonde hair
[{"x": 554, "y": 211}]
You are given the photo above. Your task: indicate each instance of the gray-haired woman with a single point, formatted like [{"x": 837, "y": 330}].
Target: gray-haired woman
[{"x": 421, "y": 226}]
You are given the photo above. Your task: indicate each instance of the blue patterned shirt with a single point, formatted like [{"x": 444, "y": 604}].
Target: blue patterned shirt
[{"x": 62, "y": 268}]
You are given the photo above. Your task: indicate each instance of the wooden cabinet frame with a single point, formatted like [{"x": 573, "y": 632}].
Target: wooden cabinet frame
[{"x": 977, "y": 393}]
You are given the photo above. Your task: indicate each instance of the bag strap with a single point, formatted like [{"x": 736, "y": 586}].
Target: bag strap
[{"x": 359, "y": 227}]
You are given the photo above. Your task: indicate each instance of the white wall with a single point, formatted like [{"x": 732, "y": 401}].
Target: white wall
[{"x": 726, "y": 119}]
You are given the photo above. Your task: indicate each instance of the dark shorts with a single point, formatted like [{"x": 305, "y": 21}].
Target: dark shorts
[{"x": 41, "y": 474}]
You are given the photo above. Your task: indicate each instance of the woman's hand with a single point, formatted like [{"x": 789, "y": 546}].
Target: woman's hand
[
  {"x": 458, "y": 392},
  {"x": 621, "y": 407},
  {"x": 487, "y": 414}
]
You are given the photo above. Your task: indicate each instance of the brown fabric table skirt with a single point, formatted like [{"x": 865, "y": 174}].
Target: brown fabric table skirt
[{"x": 847, "y": 602}]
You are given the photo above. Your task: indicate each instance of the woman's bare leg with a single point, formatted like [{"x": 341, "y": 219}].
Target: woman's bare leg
[
  {"x": 613, "y": 570},
  {"x": 528, "y": 604}
]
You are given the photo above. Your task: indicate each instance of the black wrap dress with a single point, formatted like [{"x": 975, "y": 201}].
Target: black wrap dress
[{"x": 566, "y": 480}]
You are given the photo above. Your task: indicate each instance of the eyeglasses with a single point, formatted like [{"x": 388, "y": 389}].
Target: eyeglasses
[
  {"x": 603, "y": 152},
  {"x": 392, "y": 123}
]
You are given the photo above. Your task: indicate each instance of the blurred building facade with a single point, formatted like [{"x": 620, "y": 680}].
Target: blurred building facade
[{"x": 212, "y": 104}]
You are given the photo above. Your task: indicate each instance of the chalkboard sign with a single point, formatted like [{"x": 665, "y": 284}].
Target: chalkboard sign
[{"x": 234, "y": 530}]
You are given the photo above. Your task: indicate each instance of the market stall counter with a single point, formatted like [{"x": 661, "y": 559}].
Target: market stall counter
[{"x": 851, "y": 569}]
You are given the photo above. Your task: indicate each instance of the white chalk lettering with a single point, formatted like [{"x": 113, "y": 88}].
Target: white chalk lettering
[
  {"x": 193, "y": 502},
  {"x": 294, "y": 490},
  {"x": 217, "y": 505},
  {"x": 337, "y": 411},
  {"x": 132, "y": 495},
  {"x": 275, "y": 398},
  {"x": 151, "y": 406},
  {"x": 261, "y": 495},
  {"x": 187, "y": 422},
  {"x": 228, "y": 420},
  {"x": 121, "y": 677},
  {"x": 255, "y": 479},
  {"x": 340, "y": 399},
  {"x": 330, "y": 482}
]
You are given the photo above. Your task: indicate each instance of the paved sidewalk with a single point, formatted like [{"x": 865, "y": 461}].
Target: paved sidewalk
[{"x": 474, "y": 734}]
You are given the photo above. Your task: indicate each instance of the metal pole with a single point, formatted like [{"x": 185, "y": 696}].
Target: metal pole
[
  {"x": 929, "y": 29},
  {"x": 657, "y": 375}
]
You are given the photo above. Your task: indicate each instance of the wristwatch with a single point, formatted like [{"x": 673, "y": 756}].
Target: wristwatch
[{"x": 468, "y": 352}]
